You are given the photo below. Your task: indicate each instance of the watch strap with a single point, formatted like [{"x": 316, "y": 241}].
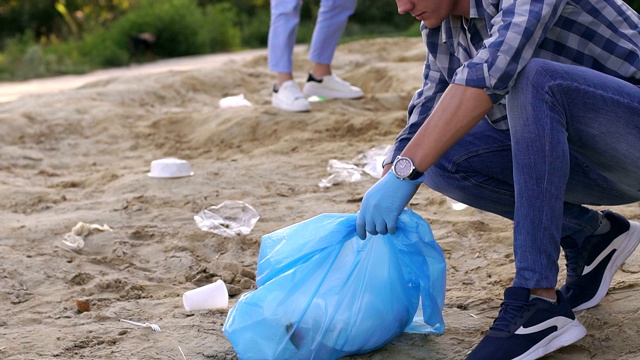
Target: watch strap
[{"x": 415, "y": 175}]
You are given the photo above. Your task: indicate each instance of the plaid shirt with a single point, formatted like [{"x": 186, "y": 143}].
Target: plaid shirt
[{"x": 499, "y": 38}]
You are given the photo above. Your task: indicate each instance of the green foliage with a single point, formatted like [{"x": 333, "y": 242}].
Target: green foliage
[
  {"x": 380, "y": 12},
  {"x": 65, "y": 58},
  {"x": 50, "y": 37},
  {"x": 305, "y": 32},
  {"x": 255, "y": 28},
  {"x": 57, "y": 18},
  {"x": 33, "y": 62},
  {"x": 71, "y": 23},
  {"x": 15, "y": 49},
  {"x": 223, "y": 27},
  {"x": 103, "y": 48},
  {"x": 177, "y": 25}
]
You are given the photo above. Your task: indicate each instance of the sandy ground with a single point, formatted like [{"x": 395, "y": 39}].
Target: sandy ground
[{"x": 83, "y": 154}]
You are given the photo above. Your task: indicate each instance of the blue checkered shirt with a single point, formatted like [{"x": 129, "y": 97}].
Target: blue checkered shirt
[{"x": 499, "y": 38}]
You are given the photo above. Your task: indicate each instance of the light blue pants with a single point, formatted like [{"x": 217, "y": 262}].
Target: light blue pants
[
  {"x": 574, "y": 140},
  {"x": 285, "y": 17}
]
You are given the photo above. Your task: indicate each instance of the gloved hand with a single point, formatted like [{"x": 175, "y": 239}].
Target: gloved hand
[{"x": 383, "y": 203}]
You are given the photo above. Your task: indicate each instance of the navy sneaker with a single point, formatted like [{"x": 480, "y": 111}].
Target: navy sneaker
[
  {"x": 528, "y": 329},
  {"x": 591, "y": 266}
]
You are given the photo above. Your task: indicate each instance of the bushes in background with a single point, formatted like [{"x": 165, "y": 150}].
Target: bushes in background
[{"x": 76, "y": 36}]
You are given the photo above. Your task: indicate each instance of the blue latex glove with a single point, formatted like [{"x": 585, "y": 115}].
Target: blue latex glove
[{"x": 383, "y": 203}]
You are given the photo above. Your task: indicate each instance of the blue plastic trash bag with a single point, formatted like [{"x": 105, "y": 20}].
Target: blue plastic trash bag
[{"x": 324, "y": 294}]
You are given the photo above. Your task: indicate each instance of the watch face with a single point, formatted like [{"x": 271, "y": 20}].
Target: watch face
[{"x": 403, "y": 167}]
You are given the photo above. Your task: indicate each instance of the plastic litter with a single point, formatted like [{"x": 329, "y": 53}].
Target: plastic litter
[
  {"x": 74, "y": 240},
  {"x": 153, "y": 327},
  {"x": 211, "y": 296},
  {"x": 341, "y": 172},
  {"x": 324, "y": 294},
  {"x": 456, "y": 205},
  {"x": 369, "y": 162},
  {"x": 229, "y": 219},
  {"x": 170, "y": 168},
  {"x": 233, "y": 101}
]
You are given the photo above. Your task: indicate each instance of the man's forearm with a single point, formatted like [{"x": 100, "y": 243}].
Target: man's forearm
[{"x": 459, "y": 110}]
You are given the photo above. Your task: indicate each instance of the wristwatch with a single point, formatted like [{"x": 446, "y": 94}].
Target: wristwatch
[{"x": 403, "y": 168}]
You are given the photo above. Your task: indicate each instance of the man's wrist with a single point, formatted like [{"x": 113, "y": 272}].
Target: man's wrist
[{"x": 404, "y": 169}]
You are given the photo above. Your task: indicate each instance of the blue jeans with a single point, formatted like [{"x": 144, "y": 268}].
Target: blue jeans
[
  {"x": 574, "y": 140},
  {"x": 333, "y": 16}
]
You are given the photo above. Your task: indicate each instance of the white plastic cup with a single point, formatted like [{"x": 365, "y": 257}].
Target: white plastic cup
[
  {"x": 170, "y": 168},
  {"x": 212, "y": 296}
]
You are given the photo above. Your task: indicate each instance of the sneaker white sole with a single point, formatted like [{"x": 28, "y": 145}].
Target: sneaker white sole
[
  {"x": 561, "y": 338},
  {"x": 625, "y": 245},
  {"x": 311, "y": 89},
  {"x": 291, "y": 108}
]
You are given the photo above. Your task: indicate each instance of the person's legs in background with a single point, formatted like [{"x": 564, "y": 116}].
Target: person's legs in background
[
  {"x": 333, "y": 17},
  {"x": 285, "y": 17}
]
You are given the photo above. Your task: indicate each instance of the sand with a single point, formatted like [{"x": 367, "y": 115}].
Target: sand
[{"x": 82, "y": 154}]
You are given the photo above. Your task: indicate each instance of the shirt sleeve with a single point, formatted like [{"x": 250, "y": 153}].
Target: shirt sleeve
[
  {"x": 514, "y": 34},
  {"x": 434, "y": 83}
]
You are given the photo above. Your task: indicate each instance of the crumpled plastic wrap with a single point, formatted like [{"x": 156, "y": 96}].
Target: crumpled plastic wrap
[
  {"x": 74, "y": 240},
  {"x": 230, "y": 218}
]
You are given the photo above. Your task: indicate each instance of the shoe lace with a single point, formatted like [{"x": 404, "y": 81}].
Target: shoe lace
[
  {"x": 572, "y": 257},
  {"x": 510, "y": 311},
  {"x": 575, "y": 259}
]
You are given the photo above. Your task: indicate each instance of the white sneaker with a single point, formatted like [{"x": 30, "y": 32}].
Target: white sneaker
[
  {"x": 331, "y": 87},
  {"x": 290, "y": 98}
]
